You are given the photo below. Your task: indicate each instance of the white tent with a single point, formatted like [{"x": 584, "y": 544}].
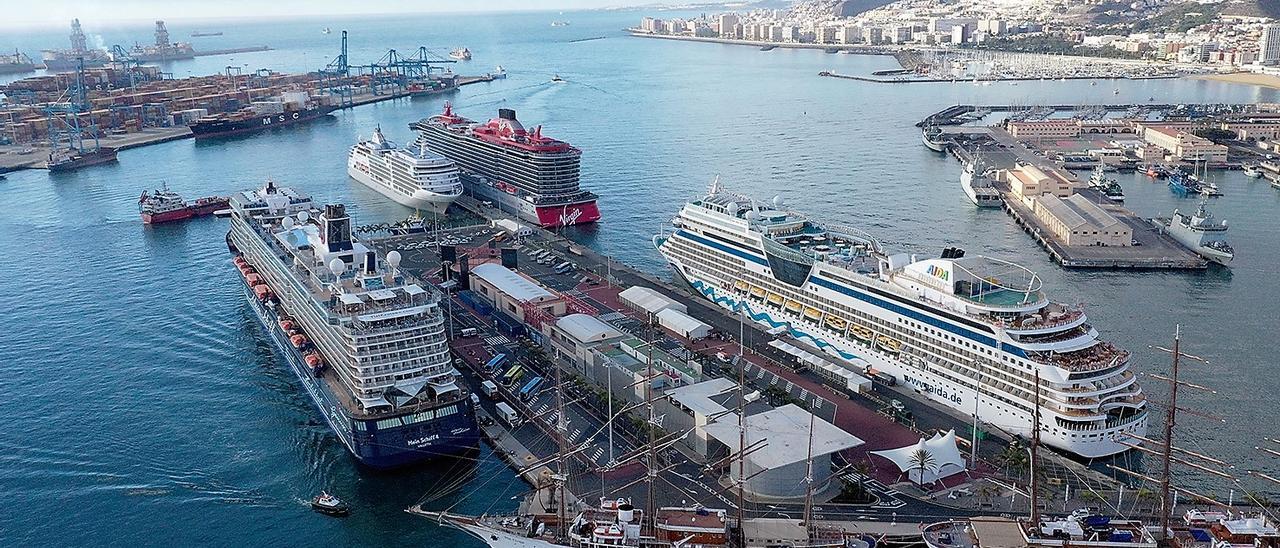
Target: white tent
[
  {"x": 943, "y": 450},
  {"x": 683, "y": 324},
  {"x": 647, "y": 300}
]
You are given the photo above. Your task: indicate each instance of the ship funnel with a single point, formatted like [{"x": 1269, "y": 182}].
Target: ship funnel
[
  {"x": 370, "y": 262},
  {"x": 337, "y": 228},
  {"x": 626, "y": 513},
  {"x": 507, "y": 114}
]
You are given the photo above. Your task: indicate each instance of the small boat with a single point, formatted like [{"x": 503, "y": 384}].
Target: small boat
[
  {"x": 498, "y": 73},
  {"x": 559, "y": 23},
  {"x": 326, "y": 30},
  {"x": 556, "y": 79},
  {"x": 461, "y": 54},
  {"x": 1252, "y": 171},
  {"x": 330, "y": 505}
]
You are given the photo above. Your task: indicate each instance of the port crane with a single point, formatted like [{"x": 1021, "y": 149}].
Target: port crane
[{"x": 64, "y": 117}]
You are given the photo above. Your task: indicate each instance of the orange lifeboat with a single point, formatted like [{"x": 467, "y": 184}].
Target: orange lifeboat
[
  {"x": 262, "y": 291},
  {"x": 239, "y": 261},
  {"x": 313, "y": 359},
  {"x": 298, "y": 340},
  {"x": 254, "y": 279},
  {"x": 286, "y": 325}
]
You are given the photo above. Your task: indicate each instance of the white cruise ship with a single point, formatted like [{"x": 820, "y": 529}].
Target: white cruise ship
[
  {"x": 414, "y": 177},
  {"x": 966, "y": 333}
]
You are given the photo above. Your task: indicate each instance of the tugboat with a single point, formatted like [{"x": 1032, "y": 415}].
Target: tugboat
[
  {"x": 165, "y": 206},
  {"x": 1201, "y": 233},
  {"x": 71, "y": 159},
  {"x": 330, "y": 505},
  {"x": 461, "y": 54}
]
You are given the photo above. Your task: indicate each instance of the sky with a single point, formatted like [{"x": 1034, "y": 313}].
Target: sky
[{"x": 28, "y": 13}]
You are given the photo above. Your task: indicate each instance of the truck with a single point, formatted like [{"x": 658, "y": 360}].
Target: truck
[
  {"x": 469, "y": 332},
  {"x": 490, "y": 389},
  {"x": 530, "y": 389},
  {"x": 507, "y": 414}
]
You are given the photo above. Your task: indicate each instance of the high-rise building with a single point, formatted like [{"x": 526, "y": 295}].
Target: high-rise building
[
  {"x": 728, "y": 25},
  {"x": 1269, "y": 45}
]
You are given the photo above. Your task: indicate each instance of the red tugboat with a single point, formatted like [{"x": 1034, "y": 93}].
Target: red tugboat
[{"x": 164, "y": 205}]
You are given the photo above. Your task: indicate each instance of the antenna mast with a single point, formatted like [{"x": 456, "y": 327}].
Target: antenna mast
[
  {"x": 808, "y": 478},
  {"x": 560, "y": 478},
  {"x": 651, "y": 472},
  {"x": 742, "y": 428},
  {"x": 1170, "y": 418}
]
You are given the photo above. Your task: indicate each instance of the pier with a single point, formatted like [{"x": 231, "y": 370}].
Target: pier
[
  {"x": 1151, "y": 248},
  {"x": 597, "y": 282}
]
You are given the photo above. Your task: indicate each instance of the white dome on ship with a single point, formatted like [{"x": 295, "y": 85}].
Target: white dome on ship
[
  {"x": 732, "y": 208},
  {"x": 777, "y": 202}
]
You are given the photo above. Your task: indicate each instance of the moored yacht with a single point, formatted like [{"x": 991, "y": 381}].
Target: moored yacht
[
  {"x": 967, "y": 333},
  {"x": 413, "y": 176}
]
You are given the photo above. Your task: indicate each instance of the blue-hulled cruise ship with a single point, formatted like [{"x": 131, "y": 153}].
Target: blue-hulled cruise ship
[
  {"x": 366, "y": 340},
  {"x": 967, "y": 333}
]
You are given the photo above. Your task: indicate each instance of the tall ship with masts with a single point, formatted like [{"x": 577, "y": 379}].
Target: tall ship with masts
[
  {"x": 967, "y": 333},
  {"x": 365, "y": 338},
  {"x": 520, "y": 171}
]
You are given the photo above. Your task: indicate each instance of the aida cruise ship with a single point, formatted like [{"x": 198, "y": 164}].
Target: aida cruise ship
[
  {"x": 414, "y": 177},
  {"x": 968, "y": 333}
]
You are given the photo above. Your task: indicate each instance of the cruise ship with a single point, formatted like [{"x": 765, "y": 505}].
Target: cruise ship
[
  {"x": 967, "y": 333},
  {"x": 366, "y": 339},
  {"x": 521, "y": 171},
  {"x": 414, "y": 177}
]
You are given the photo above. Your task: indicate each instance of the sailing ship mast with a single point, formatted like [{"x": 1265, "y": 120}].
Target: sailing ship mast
[
  {"x": 1035, "y": 457},
  {"x": 808, "y": 478}
]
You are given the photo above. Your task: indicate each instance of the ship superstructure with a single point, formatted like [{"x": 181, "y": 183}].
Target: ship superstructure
[
  {"x": 162, "y": 49},
  {"x": 521, "y": 171},
  {"x": 414, "y": 176},
  {"x": 366, "y": 339},
  {"x": 969, "y": 334},
  {"x": 65, "y": 60}
]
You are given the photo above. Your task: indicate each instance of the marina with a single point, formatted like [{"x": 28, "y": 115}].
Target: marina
[{"x": 237, "y": 436}]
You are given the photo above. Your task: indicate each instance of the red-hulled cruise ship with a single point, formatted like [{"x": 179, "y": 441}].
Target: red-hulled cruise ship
[{"x": 521, "y": 171}]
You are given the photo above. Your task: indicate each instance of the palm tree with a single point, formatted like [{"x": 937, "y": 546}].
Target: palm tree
[{"x": 922, "y": 460}]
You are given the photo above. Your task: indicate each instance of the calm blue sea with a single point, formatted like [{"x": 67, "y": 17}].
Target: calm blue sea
[{"x": 144, "y": 408}]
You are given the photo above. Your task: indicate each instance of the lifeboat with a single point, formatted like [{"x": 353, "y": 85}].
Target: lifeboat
[
  {"x": 298, "y": 340},
  {"x": 238, "y": 261},
  {"x": 812, "y": 314},
  {"x": 757, "y": 292},
  {"x": 861, "y": 333},
  {"x": 262, "y": 291},
  {"x": 793, "y": 306},
  {"x": 775, "y": 299},
  {"x": 286, "y": 325},
  {"x": 740, "y": 286},
  {"x": 891, "y": 346},
  {"x": 254, "y": 279},
  {"x": 836, "y": 323}
]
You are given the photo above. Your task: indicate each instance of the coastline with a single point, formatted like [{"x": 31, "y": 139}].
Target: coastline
[
  {"x": 1246, "y": 78},
  {"x": 865, "y": 50}
]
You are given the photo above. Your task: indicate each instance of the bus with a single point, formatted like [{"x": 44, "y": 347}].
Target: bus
[
  {"x": 530, "y": 389},
  {"x": 496, "y": 362}
]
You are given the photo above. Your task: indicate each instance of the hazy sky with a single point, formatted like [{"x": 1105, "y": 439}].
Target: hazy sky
[{"x": 58, "y": 12}]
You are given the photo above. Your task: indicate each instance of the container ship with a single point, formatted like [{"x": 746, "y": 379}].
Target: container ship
[
  {"x": 520, "y": 171},
  {"x": 414, "y": 176},
  {"x": 164, "y": 206},
  {"x": 970, "y": 334},
  {"x": 16, "y": 63},
  {"x": 66, "y": 60},
  {"x": 366, "y": 339},
  {"x": 290, "y": 108}
]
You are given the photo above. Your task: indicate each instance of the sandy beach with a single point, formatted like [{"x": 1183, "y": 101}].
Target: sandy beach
[{"x": 1264, "y": 80}]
